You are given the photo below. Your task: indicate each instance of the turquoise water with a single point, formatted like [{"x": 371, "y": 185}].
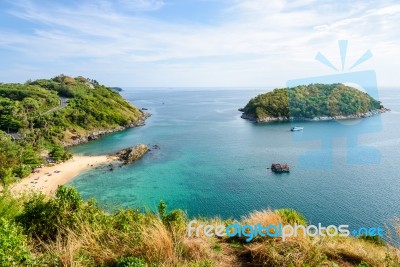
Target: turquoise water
[{"x": 211, "y": 162}]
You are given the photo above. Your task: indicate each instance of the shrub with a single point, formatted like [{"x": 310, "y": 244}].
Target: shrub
[
  {"x": 13, "y": 248},
  {"x": 44, "y": 218},
  {"x": 59, "y": 153},
  {"x": 10, "y": 207},
  {"x": 292, "y": 216},
  {"x": 175, "y": 218}
]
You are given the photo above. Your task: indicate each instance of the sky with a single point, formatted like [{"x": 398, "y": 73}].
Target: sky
[{"x": 196, "y": 43}]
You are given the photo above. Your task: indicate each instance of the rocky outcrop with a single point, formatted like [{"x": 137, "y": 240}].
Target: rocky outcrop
[
  {"x": 323, "y": 118},
  {"x": 132, "y": 154},
  {"x": 77, "y": 139}
]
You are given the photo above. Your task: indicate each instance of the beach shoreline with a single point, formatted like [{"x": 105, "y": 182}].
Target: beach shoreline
[{"x": 49, "y": 178}]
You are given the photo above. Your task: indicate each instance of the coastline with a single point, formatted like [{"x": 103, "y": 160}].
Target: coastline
[
  {"x": 50, "y": 177},
  {"x": 76, "y": 139},
  {"x": 371, "y": 113}
]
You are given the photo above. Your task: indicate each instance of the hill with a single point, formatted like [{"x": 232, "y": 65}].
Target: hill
[
  {"x": 312, "y": 102},
  {"x": 49, "y": 114}
]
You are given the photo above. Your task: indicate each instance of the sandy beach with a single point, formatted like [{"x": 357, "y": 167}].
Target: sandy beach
[{"x": 49, "y": 178}]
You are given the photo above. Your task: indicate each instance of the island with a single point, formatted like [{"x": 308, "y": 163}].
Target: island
[
  {"x": 312, "y": 102},
  {"x": 40, "y": 119}
]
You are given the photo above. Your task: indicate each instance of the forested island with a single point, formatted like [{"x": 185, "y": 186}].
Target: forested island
[
  {"x": 312, "y": 102},
  {"x": 51, "y": 114}
]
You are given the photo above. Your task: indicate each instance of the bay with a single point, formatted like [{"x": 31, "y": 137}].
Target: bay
[{"x": 213, "y": 163}]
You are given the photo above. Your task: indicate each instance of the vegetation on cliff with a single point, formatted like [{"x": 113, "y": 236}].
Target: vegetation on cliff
[
  {"x": 67, "y": 231},
  {"x": 308, "y": 102},
  {"x": 48, "y": 114}
]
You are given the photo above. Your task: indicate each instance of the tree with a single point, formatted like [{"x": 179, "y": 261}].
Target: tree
[
  {"x": 6, "y": 176},
  {"x": 9, "y": 158},
  {"x": 30, "y": 104},
  {"x": 59, "y": 153},
  {"x": 30, "y": 156}
]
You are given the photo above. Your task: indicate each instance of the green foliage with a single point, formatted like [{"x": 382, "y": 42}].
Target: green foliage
[
  {"x": 291, "y": 216},
  {"x": 43, "y": 218},
  {"x": 130, "y": 262},
  {"x": 162, "y": 209},
  {"x": 9, "y": 158},
  {"x": 127, "y": 219},
  {"x": 217, "y": 247},
  {"x": 13, "y": 245},
  {"x": 373, "y": 239},
  {"x": 91, "y": 106},
  {"x": 175, "y": 218},
  {"x": 16, "y": 160},
  {"x": 6, "y": 176},
  {"x": 33, "y": 110},
  {"x": 392, "y": 261},
  {"x": 58, "y": 153},
  {"x": 314, "y": 100},
  {"x": 30, "y": 156},
  {"x": 10, "y": 207}
]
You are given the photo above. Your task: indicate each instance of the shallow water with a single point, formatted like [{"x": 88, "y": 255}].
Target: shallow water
[{"x": 211, "y": 162}]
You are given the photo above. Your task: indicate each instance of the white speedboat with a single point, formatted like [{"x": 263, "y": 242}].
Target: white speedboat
[{"x": 296, "y": 128}]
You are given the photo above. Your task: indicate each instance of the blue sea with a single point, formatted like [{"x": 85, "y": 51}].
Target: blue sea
[{"x": 213, "y": 163}]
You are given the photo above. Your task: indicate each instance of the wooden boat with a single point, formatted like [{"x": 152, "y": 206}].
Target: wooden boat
[{"x": 279, "y": 168}]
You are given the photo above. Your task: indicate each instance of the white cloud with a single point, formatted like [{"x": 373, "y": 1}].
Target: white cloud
[
  {"x": 261, "y": 42},
  {"x": 142, "y": 4}
]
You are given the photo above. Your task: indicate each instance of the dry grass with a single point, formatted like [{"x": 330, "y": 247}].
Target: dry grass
[
  {"x": 155, "y": 243},
  {"x": 323, "y": 251},
  {"x": 265, "y": 217},
  {"x": 96, "y": 244},
  {"x": 196, "y": 249}
]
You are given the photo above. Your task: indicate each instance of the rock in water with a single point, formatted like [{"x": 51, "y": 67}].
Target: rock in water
[{"x": 129, "y": 155}]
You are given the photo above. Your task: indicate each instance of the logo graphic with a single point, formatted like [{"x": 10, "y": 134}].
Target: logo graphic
[
  {"x": 249, "y": 232},
  {"x": 356, "y": 153}
]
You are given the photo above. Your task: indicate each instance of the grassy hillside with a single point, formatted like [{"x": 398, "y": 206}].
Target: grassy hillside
[
  {"x": 315, "y": 100},
  {"x": 48, "y": 114},
  {"x": 67, "y": 231}
]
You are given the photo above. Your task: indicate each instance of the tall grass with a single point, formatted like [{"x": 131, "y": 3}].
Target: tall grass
[{"x": 78, "y": 233}]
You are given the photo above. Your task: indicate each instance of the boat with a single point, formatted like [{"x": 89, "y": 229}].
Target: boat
[
  {"x": 296, "y": 128},
  {"x": 279, "y": 168}
]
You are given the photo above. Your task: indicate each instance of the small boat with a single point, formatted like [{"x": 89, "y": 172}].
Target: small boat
[
  {"x": 296, "y": 128},
  {"x": 279, "y": 168}
]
